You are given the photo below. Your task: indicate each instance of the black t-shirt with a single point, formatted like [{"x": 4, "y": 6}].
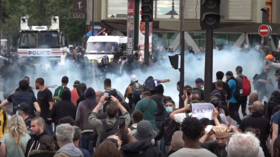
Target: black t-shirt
[
  {"x": 44, "y": 97},
  {"x": 12, "y": 98}
]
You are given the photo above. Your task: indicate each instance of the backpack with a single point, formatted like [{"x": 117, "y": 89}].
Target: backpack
[
  {"x": 136, "y": 93},
  {"x": 114, "y": 93},
  {"x": 108, "y": 130},
  {"x": 58, "y": 93},
  {"x": 105, "y": 60},
  {"x": 150, "y": 84},
  {"x": 246, "y": 86},
  {"x": 3, "y": 123}
]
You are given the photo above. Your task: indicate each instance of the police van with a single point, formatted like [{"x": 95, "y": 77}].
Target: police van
[
  {"x": 99, "y": 46},
  {"x": 42, "y": 43}
]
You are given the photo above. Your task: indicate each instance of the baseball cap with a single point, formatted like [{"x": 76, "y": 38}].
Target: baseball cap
[
  {"x": 22, "y": 106},
  {"x": 239, "y": 68},
  {"x": 229, "y": 73},
  {"x": 76, "y": 82},
  {"x": 134, "y": 78},
  {"x": 199, "y": 80},
  {"x": 77, "y": 133},
  {"x": 145, "y": 131}
]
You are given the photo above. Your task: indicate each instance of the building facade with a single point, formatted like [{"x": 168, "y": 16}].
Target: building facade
[{"x": 240, "y": 20}]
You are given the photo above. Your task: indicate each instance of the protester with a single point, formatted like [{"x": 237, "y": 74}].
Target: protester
[
  {"x": 81, "y": 91},
  {"x": 148, "y": 106},
  {"x": 250, "y": 145},
  {"x": 107, "y": 149},
  {"x": 65, "y": 136},
  {"x": 177, "y": 142},
  {"x": 192, "y": 129},
  {"x": 84, "y": 109},
  {"x": 136, "y": 117},
  {"x": 23, "y": 111},
  {"x": 63, "y": 108},
  {"x": 14, "y": 142},
  {"x": 37, "y": 131},
  {"x": 59, "y": 90},
  {"x": 76, "y": 140},
  {"x": 74, "y": 93},
  {"x": 22, "y": 96},
  {"x": 46, "y": 148}
]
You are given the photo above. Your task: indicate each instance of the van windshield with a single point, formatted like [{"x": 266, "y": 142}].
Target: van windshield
[{"x": 102, "y": 46}]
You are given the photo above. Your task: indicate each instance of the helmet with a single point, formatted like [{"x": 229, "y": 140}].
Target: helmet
[
  {"x": 134, "y": 78},
  {"x": 269, "y": 57}
]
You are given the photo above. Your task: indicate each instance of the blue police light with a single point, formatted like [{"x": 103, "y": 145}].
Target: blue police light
[{"x": 39, "y": 23}]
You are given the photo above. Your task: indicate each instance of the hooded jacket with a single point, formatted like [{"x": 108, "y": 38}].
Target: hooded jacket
[
  {"x": 69, "y": 150},
  {"x": 146, "y": 147},
  {"x": 214, "y": 148},
  {"x": 84, "y": 109},
  {"x": 158, "y": 98},
  {"x": 33, "y": 143},
  {"x": 63, "y": 108},
  {"x": 81, "y": 91}
]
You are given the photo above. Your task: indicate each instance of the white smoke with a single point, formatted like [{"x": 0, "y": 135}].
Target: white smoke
[{"x": 224, "y": 60}]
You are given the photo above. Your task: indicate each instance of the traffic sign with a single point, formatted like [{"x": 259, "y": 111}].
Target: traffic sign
[{"x": 265, "y": 30}]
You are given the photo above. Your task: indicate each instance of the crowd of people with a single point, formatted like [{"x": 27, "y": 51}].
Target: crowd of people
[{"x": 142, "y": 121}]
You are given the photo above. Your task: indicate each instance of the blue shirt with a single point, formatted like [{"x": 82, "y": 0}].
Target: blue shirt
[
  {"x": 232, "y": 85},
  {"x": 275, "y": 120}
]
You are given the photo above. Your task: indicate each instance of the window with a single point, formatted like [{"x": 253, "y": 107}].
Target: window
[
  {"x": 28, "y": 39},
  {"x": 103, "y": 47}
]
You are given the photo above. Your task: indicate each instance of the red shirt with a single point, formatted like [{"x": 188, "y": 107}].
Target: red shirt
[{"x": 74, "y": 96}]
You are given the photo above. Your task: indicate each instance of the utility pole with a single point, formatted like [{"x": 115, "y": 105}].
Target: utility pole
[
  {"x": 265, "y": 20},
  {"x": 182, "y": 42},
  {"x": 92, "y": 19},
  {"x": 146, "y": 49},
  {"x": 209, "y": 20},
  {"x": 1, "y": 19}
]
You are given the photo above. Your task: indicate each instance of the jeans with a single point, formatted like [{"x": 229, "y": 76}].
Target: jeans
[
  {"x": 233, "y": 112},
  {"x": 261, "y": 94},
  {"x": 243, "y": 102},
  {"x": 87, "y": 142}
]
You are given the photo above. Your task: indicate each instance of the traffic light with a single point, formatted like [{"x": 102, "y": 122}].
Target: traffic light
[
  {"x": 210, "y": 13},
  {"x": 147, "y": 10},
  {"x": 174, "y": 61},
  {"x": 265, "y": 15}
]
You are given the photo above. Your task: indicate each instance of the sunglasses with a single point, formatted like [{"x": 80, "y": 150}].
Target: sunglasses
[{"x": 220, "y": 129}]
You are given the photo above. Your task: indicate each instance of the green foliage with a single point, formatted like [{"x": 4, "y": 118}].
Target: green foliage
[{"x": 40, "y": 11}]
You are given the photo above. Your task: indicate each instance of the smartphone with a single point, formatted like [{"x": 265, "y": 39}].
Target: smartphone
[{"x": 121, "y": 123}]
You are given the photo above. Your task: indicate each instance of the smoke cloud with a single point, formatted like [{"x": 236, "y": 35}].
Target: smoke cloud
[{"x": 225, "y": 60}]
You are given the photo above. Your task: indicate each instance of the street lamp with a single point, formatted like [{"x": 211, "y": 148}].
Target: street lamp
[{"x": 172, "y": 12}]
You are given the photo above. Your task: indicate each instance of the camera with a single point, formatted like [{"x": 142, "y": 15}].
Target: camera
[{"x": 107, "y": 96}]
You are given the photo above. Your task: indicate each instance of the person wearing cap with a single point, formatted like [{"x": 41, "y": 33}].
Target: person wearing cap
[
  {"x": 77, "y": 139},
  {"x": 133, "y": 91},
  {"x": 243, "y": 99},
  {"x": 74, "y": 93},
  {"x": 262, "y": 82},
  {"x": 24, "y": 110},
  {"x": 58, "y": 91},
  {"x": 145, "y": 135},
  {"x": 198, "y": 88},
  {"x": 233, "y": 104}
]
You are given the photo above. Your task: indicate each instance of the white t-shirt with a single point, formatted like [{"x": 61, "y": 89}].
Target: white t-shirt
[{"x": 188, "y": 152}]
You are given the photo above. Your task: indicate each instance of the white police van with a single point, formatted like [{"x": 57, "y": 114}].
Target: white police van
[{"x": 42, "y": 42}]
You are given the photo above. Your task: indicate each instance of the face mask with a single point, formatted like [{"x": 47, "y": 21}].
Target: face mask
[
  {"x": 141, "y": 97},
  {"x": 202, "y": 87},
  {"x": 169, "y": 109}
]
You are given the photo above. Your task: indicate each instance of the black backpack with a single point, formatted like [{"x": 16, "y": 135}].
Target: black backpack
[
  {"x": 108, "y": 130},
  {"x": 136, "y": 94},
  {"x": 114, "y": 93}
]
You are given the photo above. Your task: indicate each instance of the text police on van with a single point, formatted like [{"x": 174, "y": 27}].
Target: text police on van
[{"x": 39, "y": 52}]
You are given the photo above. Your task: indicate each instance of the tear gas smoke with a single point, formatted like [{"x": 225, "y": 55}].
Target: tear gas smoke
[{"x": 224, "y": 60}]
